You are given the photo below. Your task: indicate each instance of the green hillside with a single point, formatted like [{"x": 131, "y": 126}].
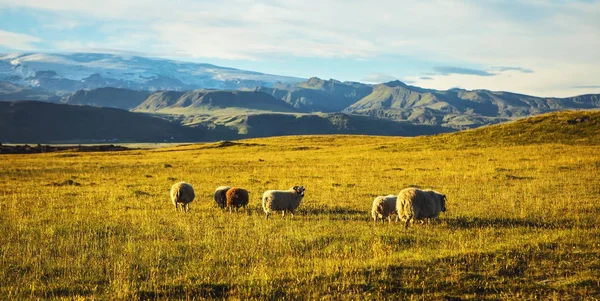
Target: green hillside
[
  {"x": 108, "y": 97},
  {"x": 202, "y": 101},
  {"x": 567, "y": 127},
  {"x": 41, "y": 122},
  {"x": 265, "y": 125}
]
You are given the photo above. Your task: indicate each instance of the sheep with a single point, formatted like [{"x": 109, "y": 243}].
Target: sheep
[
  {"x": 413, "y": 203},
  {"x": 282, "y": 200},
  {"x": 182, "y": 193},
  {"x": 384, "y": 207},
  {"x": 220, "y": 196},
  {"x": 236, "y": 197}
]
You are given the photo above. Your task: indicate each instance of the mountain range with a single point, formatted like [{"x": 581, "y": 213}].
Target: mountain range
[
  {"x": 218, "y": 102},
  {"x": 75, "y": 71}
]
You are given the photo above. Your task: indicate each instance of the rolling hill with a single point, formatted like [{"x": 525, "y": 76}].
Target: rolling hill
[
  {"x": 271, "y": 124},
  {"x": 42, "y": 122},
  {"x": 565, "y": 127},
  {"x": 202, "y": 101},
  {"x": 108, "y": 97}
]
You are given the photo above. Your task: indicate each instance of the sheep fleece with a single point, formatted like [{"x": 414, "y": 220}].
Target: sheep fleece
[
  {"x": 276, "y": 200},
  {"x": 383, "y": 206},
  {"x": 419, "y": 204},
  {"x": 237, "y": 197},
  {"x": 182, "y": 193},
  {"x": 220, "y": 196}
]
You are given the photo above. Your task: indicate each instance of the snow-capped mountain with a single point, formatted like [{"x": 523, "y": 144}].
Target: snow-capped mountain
[{"x": 74, "y": 71}]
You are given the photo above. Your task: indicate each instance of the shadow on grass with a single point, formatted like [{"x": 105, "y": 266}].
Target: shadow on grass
[
  {"x": 203, "y": 291},
  {"x": 478, "y": 222}
]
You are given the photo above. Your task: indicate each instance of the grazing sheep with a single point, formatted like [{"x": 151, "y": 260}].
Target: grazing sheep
[
  {"x": 182, "y": 193},
  {"x": 282, "y": 200},
  {"x": 220, "y": 196},
  {"x": 236, "y": 197},
  {"x": 384, "y": 207},
  {"x": 418, "y": 204}
]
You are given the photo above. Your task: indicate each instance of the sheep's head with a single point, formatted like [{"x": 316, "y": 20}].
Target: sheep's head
[
  {"x": 443, "y": 201},
  {"x": 299, "y": 190}
]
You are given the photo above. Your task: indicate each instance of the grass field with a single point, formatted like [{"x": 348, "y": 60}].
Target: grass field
[{"x": 522, "y": 221}]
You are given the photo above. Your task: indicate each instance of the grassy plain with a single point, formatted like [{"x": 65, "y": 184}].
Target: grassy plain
[{"x": 522, "y": 221}]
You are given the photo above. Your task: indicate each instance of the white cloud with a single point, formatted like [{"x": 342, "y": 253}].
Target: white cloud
[
  {"x": 378, "y": 78},
  {"x": 552, "y": 38},
  {"x": 18, "y": 40},
  {"x": 489, "y": 33},
  {"x": 559, "y": 80}
]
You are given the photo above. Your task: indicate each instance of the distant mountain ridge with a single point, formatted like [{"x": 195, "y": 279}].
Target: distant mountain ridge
[
  {"x": 42, "y": 122},
  {"x": 317, "y": 95},
  {"x": 459, "y": 108},
  {"x": 166, "y": 87},
  {"x": 455, "y": 108}
]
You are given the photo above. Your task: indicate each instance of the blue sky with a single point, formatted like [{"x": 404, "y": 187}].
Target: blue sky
[{"x": 538, "y": 47}]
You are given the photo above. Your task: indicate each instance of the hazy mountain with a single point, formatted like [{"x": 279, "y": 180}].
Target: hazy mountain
[
  {"x": 108, "y": 97},
  {"x": 317, "y": 95},
  {"x": 459, "y": 108},
  {"x": 72, "y": 72},
  {"x": 9, "y": 91},
  {"x": 42, "y": 122},
  {"x": 201, "y": 101}
]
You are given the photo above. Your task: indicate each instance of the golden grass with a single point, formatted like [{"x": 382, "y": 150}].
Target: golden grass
[{"x": 522, "y": 222}]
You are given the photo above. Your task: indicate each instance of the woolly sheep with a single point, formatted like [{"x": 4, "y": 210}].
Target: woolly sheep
[
  {"x": 384, "y": 207},
  {"x": 236, "y": 197},
  {"x": 282, "y": 200},
  {"x": 413, "y": 203},
  {"x": 220, "y": 196},
  {"x": 182, "y": 193}
]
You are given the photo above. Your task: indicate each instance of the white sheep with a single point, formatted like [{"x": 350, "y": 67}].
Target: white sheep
[
  {"x": 182, "y": 193},
  {"x": 220, "y": 195},
  {"x": 413, "y": 203},
  {"x": 384, "y": 207},
  {"x": 282, "y": 200}
]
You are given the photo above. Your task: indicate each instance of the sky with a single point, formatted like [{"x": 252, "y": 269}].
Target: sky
[{"x": 535, "y": 47}]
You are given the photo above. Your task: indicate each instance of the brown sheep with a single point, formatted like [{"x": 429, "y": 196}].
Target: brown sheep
[{"x": 236, "y": 197}]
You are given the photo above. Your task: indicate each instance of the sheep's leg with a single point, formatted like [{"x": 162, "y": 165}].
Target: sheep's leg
[
  {"x": 267, "y": 215},
  {"x": 176, "y": 207},
  {"x": 407, "y": 222},
  {"x": 283, "y": 213},
  {"x": 292, "y": 213}
]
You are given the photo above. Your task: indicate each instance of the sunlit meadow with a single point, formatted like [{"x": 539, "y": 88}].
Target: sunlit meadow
[{"x": 522, "y": 222}]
